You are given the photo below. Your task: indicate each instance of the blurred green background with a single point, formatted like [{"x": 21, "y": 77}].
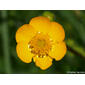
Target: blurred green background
[{"x": 74, "y": 26}]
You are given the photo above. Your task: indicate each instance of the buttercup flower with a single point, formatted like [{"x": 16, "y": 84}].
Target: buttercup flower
[{"x": 42, "y": 41}]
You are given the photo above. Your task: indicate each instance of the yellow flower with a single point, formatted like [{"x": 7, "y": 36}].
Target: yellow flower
[{"x": 42, "y": 41}]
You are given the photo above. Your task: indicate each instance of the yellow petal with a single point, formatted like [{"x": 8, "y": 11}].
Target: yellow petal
[
  {"x": 56, "y": 32},
  {"x": 58, "y": 51},
  {"x": 23, "y": 52},
  {"x": 41, "y": 24},
  {"x": 43, "y": 63},
  {"x": 25, "y": 33}
]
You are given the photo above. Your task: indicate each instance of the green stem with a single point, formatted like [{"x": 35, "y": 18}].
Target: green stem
[
  {"x": 5, "y": 41},
  {"x": 75, "y": 52}
]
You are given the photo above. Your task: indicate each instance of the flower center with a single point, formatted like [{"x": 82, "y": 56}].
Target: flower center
[{"x": 40, "y": 44}]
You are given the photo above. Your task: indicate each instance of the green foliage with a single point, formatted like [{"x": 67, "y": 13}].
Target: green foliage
[{"x": 74, "y": 26}]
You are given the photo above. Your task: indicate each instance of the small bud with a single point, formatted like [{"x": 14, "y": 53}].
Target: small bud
[{"x": 49, "y": 14}]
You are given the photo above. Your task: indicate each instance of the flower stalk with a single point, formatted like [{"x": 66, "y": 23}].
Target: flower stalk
[{"x": 5, "y": 41}]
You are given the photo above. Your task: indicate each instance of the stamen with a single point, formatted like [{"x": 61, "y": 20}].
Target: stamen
[{"x": 40, "y": 45}]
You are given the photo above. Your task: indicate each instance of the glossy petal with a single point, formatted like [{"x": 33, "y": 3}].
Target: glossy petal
[
  {"x": 58, "y": 51},
  {"x": 24, "y": 53},
  {"x": 43, "y": 63},
  {"x": 41, "y": 24},
  {"x": 25, "y": 33},
  {"x": 56, "y": 32}
]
